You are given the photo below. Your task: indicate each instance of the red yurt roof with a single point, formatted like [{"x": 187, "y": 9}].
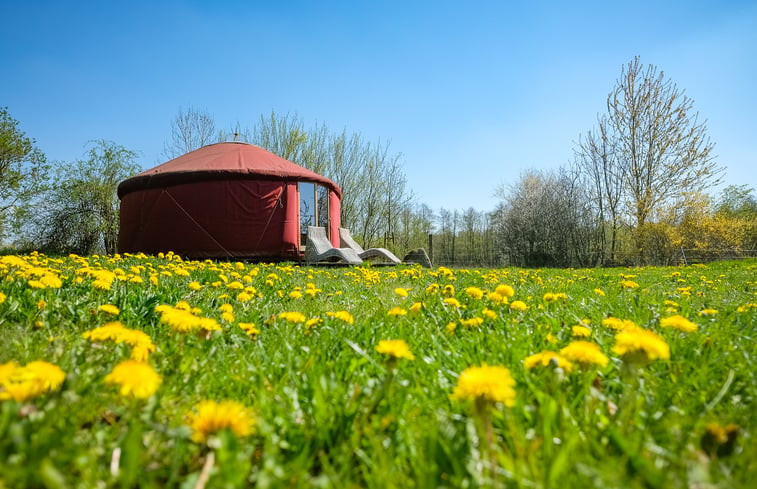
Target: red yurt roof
[{"x": 222, "y": 161}]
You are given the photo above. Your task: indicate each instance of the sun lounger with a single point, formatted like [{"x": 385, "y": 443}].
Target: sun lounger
[
  {"x": 379, "y": 254},
  {"x": 319, "y": 249}
]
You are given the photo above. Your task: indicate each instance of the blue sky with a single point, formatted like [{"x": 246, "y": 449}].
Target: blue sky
[{"x": 471, "y": 93}]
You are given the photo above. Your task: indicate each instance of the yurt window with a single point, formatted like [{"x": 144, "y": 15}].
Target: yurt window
[
  {"x": 307, "y": 205},
  {"x": 322, "y": 206}
]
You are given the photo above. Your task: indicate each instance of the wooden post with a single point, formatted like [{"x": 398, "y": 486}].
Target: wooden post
[{"x": 431, "y": 248}]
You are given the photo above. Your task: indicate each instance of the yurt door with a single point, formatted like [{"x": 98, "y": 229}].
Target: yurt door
[{"x": 314, "y": 208}]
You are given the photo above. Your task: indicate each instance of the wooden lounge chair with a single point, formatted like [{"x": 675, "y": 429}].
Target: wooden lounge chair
[
  {"x": 381, "y": 255},
  {"x": 320, "y": 250}
]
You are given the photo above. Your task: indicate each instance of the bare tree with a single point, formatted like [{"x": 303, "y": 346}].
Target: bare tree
[
  {"x": 597, "y": 159},
  {"x": 662, "y": 147},
  {"x": 190, "y": 130},
  {"x": 370, "y": 175}
]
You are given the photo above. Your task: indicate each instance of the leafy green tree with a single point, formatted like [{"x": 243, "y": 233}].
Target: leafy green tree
[
  {"x": 23, "y": 171},
  {"x": 80, "y": 213},
  {"x": 738, "y": 202}
]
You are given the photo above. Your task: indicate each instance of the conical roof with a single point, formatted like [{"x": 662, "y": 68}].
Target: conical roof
[{"x": 228, "y": 160}]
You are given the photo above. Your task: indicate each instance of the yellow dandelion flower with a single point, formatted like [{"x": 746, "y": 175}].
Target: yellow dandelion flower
[
  {"x": 135, "y": 379},
  {"x": 678, "y": 322},
  {"x": 432, "y": 289},
  {"x": 640, "y": 346},
  {"x": 474, "y": 292},
  {"x": 194, "y": 285},
  {"x": 472, "y": 322},
  {"x": 746, "y": 307},
  {"x": 102, "y": 284},
  {"x": 551, "y": 339},
  {"x": 51, "y": 281},
  {"x": 209, "y": 417},
  {"x": 599, "y": 292},
  {"x": 312, "y": 322},
  {"x": 293, "y": 317},
  {"x": 718, "y": 440},
  {"x": 618, "y": 324},
  {"x": 345, "y": 316},
  {"x": 554, "y": 297},
  {"x": 397, "y": 311},
  {"x": 109, "y": 332},
  {"x": 628, "y": 284},
  {"x": 27, "y": 382},
  {"x": 505, "y": 290},
  {"x": 487, "y": 383},
  {"x": 395, "y": 348},
  {"x": 580, "y": 331},
  {"x": 312, "y": 292},
  {"x": 518, "y": 306},
  {"x": 244, "y": 296},
  {"x": 708, "y": 312},
  {"x": 451, "y": 327},
  {"x": 249, "y": 328},
  {"x": 584, "y": 353},
  {"x": 180, "y": 320},
  {"x": 227, "y": 317},
  {"x": 496, "y": 298},
  {"x": 3, "y": 297},
  {"x": 547, "y": 358},
  {"x": 401, "y": 292},
  {"x": 489, "y": 314},
  {"x": 295, "y": 294},
  {"x": 448, "y": 290},
  {"x": 210, "y": 324},
  {"x": 110, "y": 309},
  {"x": 416, "y": 308},
  {"x": 140, "y": 342}
]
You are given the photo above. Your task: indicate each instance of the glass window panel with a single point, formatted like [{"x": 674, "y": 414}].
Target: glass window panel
[
  {"x": 322, "y": 204},
  {"x": 307, "y": 206}
]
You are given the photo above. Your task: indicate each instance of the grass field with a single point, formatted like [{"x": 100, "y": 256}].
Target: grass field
[{"x": 135, "y": 371}]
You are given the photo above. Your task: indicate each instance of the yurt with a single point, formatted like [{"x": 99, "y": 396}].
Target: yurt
[{"x": 226, "y": 200}]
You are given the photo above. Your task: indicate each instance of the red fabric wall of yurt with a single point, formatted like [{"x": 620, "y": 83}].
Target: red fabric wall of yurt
[{"x": 226, "y": 200}]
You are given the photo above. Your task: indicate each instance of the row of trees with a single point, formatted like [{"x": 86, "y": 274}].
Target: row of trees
[{"x": 634, "y": 192}]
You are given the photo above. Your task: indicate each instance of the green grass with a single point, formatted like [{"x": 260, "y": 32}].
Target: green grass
[{"x": 332, "y": 412}]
